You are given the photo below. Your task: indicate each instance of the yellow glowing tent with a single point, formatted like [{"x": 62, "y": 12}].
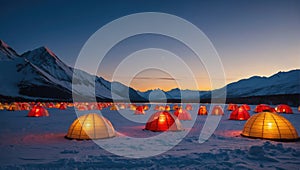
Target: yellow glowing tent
[
  {"x": 91, "y": 126},
  {"x": 114, "y": 107},
  {"x": 268, "y": 125}
]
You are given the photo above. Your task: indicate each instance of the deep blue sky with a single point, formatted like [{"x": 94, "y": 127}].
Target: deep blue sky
[{"x": 251, "y": 37}]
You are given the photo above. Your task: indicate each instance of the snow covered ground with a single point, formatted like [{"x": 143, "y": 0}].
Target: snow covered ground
[{"x": 39, "y": 143}]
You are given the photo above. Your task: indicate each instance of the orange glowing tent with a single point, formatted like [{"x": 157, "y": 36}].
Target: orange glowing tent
[
  {"x": 38, "y": 111},
  {"x": 163, "y": 121},
  {"x": 183, "y": 114},
  {"x": 239, "y": 114},
  {"x": 14, "y": 106},
  {"x": 217, "y": 111},
  {"x": 175, "y": 107},
  {"x": 202, "y": 110},
  {"x": 268, "y": 125},
  {"x": 5, "y": 106},
  {"x": 283, "y": 108},
  {"x": 114, "y": 107},
  {"x": 167, "y": 108},
  {"x": 132, "y": 106},
  {"x": 91, "y": 126},
  {"x": 232, "y": 107},
  {"x": 145, "y": 107}
]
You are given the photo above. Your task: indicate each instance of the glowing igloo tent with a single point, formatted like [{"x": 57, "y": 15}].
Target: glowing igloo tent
[
  {"x": 139, "y": 110},
  {"x": 239, "y": 114},
  {"x": 91, "y": 126},
  {"x": 283, "y": 108},
  {"x": 183, "y": 114},
  {"x": 246, "y": 107},
  {"x": 62, "y": 106},
  {"x": 163, "y": 121},
  {"x": 38, "y": 111},
  {"x": 268, "y": 125},
  {"x": 14, "y": 106},
  {"x": 114, "y": 107},
  {"x": 232, "y": 106},
  {"x": 217, "y": 111},
  {"x": 264, "y": 107},
  {"x": 202, "y": 110},
  {"x": 189, "y": 107}
]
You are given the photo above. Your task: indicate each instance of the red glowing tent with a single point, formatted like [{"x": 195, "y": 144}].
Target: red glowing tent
[
  {"x": 239, "y": 114},
  {"x": 163, "y": 121},
  {"x": 246, "y": 107},
  {"x": 283, "y": 108},
  {"x": 264, "y": 107},
  {"x": 62, "y": 106},
  {"x": 183, "y": 114},
  {"x": 139, "y": 110},
  {"x": 189, "y": 107},
  {"x": 38, "y": 111},
  {"x": 232, "y": 106}
]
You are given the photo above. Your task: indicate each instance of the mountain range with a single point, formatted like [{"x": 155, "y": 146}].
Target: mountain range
[{"x": 40, "y": 75}]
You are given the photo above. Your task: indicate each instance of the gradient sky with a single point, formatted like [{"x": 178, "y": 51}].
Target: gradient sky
[{"x": 251, "y": 37}]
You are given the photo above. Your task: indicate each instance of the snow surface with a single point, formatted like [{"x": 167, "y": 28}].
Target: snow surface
[{"x": 39, "y": 143}]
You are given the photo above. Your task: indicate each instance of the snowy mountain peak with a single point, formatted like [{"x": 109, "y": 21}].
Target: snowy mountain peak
[
  {"x": 3, "y": 44},
  {"x": 6, "y": 52},
  {"x": 41, "y": 53}
]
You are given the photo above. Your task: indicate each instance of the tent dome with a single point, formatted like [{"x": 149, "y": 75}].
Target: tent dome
[
  {"x": 188, "y": 107},
  {"x": 239, "y": 114},
  {"x": 183, "y": 114},
  {"x": 139, "y": 110},
  {"x": 202, "y": 110},
  {"x": 91, "y": 126},
  {"x": 283, "y": 108},
  {"x": 163, "y": 121},
  {"x": 62, "y": 106},
  {"x": 114, "y": 107},
  {"x": 38, "y": 111},
  {"x": 268, "y": 125},
  {"x": 217, "y": 110},
  {"x": 14, "y": 106},
  {"x": 232, "y": 107},
  {"x": 263, "y": 107},
  {"x": 246, "y": 107}
]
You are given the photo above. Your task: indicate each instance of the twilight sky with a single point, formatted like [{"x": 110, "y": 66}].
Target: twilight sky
[{"x": 251, "y": 37}]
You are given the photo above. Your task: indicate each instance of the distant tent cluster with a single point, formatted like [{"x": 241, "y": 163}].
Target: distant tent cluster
[{"x": 265, "y": 124}]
